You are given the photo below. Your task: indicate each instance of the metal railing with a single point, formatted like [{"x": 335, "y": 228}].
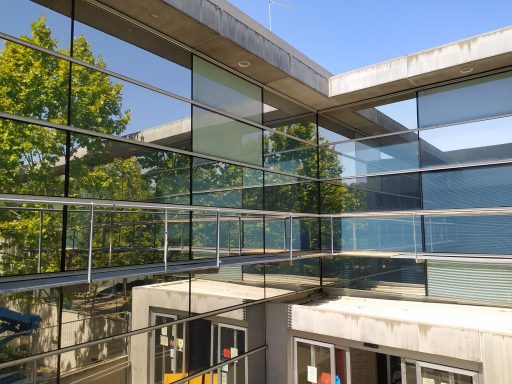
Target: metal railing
[{"x": 181, "y": 214}]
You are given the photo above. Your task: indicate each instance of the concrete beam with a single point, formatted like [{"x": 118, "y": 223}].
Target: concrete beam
[{"x": 482, "y": 53}]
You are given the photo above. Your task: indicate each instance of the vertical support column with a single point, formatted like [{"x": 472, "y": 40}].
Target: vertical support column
[
  {"x": 332, "y": 237},
  {"x": 217, "y": 243},
  {"x": 166, "y": 240},
  {"x": 40, "y": 243},
  {"x": 290, "y": 238},
  {"x": 91, "y": 235}
]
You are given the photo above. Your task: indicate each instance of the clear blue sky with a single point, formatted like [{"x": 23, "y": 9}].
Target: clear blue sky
[{"x": 347, "y": 34}]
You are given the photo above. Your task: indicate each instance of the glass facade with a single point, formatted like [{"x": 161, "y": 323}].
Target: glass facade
[{"x": 139, "y": 180}]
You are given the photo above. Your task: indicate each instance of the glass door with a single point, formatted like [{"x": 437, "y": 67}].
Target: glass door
[
  {"x": 167, "y": 350},
  {"x": 438, "y": 374},
  {"x": 314, "y": 362},
  {"x": 231, "y": 342},
  {"x": 418, "y": 372}
]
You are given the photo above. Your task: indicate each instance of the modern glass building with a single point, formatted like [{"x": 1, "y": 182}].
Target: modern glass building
[{"x": 186, "y": 198}]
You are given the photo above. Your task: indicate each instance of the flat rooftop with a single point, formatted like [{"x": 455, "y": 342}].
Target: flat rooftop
[{"x": 485, "y": 319}]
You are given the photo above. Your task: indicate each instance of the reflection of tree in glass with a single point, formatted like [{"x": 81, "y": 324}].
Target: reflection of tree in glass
[{"x": 35, "y": 85}]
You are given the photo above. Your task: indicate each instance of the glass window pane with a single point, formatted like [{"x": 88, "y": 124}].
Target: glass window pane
[
  {"x": 33, "y": 84},
  {"x": 108, "y": 105},
  {"x": 482, "y": 98},
  {"x": 339, "y": 196},
  {"x": 400, "y": 276},
  {"x": 338, "y": 160},
  {"x": 106, "y": 169},
  {"x": 221, "y": 89},
  {"x": 219, "y": 136},
  {"x": 437, "y": 376},
  {"x": 331, "y": 130},
  {"x": 381, "y": 234},
  {"x": 282, "y": 277},
  {"x": 31, "y": 238},
  {"x": 402, "y": 114},
  {"x": 132, "y": 51},
  {"x": 225, "y": 185},
  {"x": 489, "y": 186},
  {"x": 48, "y": 28},
  {"x": 288, "y": 155},
  {"x": 390, "y": 192},
  {"x": 313, "y": 363},
  {"x": 31, "y": 159},
  {"x": 284, "y": 193},
  {"x": 481, "y": 141},
  {"x": 385, "y": 154},
  {"x": 469, "y": 234}
]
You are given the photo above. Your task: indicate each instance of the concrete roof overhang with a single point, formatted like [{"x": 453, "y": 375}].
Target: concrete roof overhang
[{"x": 474, "y": 55}]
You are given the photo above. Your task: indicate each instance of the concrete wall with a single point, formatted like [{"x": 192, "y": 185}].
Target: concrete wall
[
  {"x": 279, "y": 358},
  {"x": 450, "y": 340}
]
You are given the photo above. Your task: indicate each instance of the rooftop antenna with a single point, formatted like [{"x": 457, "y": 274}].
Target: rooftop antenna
[{"x": 270, "y": 4}]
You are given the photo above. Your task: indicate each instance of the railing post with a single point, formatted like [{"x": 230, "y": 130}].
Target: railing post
[
  {"x": 40, "y": 243},
  {"x": 166, "y": 240},
  {"x": 91, "y": 235},
  {"x": 414, "y": 234},
  {"x": 332, "y": 237},
  {"x": 239, "y": 235},
  {"x": 111, "y": 239},
  {"x": 217, "y": 243},
  {"x": 290, "y": 238}
]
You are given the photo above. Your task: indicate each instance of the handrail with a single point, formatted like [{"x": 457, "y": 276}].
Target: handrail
[{"x": 231, "y": 214}]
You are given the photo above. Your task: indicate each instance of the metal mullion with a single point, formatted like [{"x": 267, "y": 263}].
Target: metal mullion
[
  {"x": 144, "y": 144},
  {"x": 149, "y": 87}
]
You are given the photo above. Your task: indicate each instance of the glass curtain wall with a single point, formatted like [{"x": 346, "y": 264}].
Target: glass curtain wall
[{"x": 445, "y": 149}]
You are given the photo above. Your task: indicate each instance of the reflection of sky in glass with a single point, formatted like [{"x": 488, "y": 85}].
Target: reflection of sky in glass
[
  {"x": 472, "y": 135},
  {"x": 403, "y": 112}
]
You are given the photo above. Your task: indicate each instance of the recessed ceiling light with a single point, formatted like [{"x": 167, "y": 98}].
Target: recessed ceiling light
[
  {"x": 154, "y": 15},
  {"x": 244, "y": 64},
  {"x": 465, "y": 70}
]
